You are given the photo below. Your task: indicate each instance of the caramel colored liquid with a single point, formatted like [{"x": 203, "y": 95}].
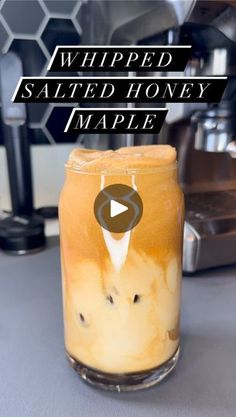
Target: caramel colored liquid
[{"x": 121, "y": 292}]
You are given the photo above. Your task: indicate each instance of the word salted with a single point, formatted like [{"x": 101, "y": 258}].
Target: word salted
[{"x": 116, "y": 120}]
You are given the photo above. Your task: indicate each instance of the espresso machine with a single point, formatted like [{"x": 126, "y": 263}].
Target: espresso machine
[{"x": 204, "y": 135}]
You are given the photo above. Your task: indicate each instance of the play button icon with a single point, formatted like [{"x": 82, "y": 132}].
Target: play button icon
[{"x": 118, "y": 208}]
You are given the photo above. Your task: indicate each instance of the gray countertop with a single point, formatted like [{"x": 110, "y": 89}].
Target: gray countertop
[{"x": 36, "y": 380}]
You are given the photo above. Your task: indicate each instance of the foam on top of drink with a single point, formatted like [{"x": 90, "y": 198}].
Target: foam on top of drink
[{"x": 133, "y": 157}]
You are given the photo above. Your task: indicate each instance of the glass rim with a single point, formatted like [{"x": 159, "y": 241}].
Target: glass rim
[{"x": 123, "y": 171}]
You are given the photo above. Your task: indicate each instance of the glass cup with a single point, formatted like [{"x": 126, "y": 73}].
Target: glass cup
[{"x": 121, "y": 291}]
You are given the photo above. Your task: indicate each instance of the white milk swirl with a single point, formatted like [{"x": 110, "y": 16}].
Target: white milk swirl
[{"x": 117, "y": 248}]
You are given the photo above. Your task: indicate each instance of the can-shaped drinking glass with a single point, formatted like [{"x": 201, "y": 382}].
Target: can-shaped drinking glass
[{"x": 121, "y": 226}]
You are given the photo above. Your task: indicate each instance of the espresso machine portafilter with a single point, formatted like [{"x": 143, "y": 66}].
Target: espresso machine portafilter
[{"x": 204, "y": 135}]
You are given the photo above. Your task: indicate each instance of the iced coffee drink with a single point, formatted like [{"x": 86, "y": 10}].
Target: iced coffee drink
[{"x": 121, "y": 289}]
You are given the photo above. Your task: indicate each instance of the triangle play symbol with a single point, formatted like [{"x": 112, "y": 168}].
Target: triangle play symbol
[{"x": 117, "y": 208}]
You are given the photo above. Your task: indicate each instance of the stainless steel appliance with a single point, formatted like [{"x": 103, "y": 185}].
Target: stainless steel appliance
[{"x": 204, "y": 135}]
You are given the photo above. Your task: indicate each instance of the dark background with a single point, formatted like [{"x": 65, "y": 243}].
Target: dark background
[{"x": 32, "y": 29}]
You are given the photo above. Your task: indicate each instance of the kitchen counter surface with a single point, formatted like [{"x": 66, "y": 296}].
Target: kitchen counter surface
[{"x": 36, "y": 380}]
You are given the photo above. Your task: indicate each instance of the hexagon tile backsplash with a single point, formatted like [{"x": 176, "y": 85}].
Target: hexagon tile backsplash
[{"x": 32, "y": 29}]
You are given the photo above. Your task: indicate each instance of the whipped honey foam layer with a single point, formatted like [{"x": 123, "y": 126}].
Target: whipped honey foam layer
[
  {"x": 122, "y": 159},
  {"x": 121, "y": 292}
]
